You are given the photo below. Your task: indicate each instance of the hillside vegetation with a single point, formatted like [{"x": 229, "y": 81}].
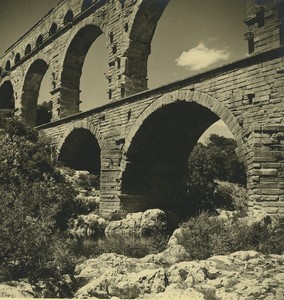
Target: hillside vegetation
[{"x": 35, "y": 206}]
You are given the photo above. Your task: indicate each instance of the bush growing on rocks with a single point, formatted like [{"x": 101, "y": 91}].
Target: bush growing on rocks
[{"x": 205, "y": 236}]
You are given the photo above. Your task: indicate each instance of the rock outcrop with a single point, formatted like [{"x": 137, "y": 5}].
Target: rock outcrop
[
  {"x": 240, "y": 275},
  {"x": 16, "y": 289},
  {"x": 88, "y": 225}
]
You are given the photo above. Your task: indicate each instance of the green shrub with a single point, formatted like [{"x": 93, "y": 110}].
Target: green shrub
[
  {"x": 31, "y": 245},
  {"x": 205, "y": 236},
  {"x": 35, "y": 206},
  {"x": 88, "y": 181},
  {"x": 236, "y": 197},
  {"x": 207, "y": 163}
]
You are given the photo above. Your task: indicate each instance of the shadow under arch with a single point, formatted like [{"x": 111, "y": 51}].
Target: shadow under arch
[
  {"x": 30, "y": 91},
  {"x": 159, "y": 144},
  {"x": 81, "y": 148},
  {"x": 72, "y": 65},
  {"x": 7, "y": 100}
]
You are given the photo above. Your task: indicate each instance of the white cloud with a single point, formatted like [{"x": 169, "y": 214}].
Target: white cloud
[{"x": 201, "y": 57}]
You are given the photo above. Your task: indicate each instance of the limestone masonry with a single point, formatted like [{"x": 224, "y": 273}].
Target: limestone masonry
[{"x": 140, "y": 141}]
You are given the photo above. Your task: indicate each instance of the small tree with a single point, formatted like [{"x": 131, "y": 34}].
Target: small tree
[
  {"x": 223, "y": 160},
  {"x": 44, "y": 113},
  {"x": 216, "y": 160}
]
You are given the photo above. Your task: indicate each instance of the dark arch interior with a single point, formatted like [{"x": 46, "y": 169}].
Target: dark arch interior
[
  {"x": 39, "y": 40},
  {"x": 31, "y": 88},
  {"x": 81, "y": 151},
  {"x": 8, "y": 65},
  {"x": 28, "y": 49},
  {"x": 72, "y": 68},
  {"x": 7, "y": 96},
  {"x": 86, "y": 4},
  {"x": 158, "y": 155},
  {"x": 68, "y": 17},
  {"x": 53, "y": 29},
  {"x": 17, "y": 57}
]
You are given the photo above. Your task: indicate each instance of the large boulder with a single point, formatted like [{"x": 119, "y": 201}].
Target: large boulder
[
  {"x": 144, "y": 224},
  {"x": 153, "y": 221},
  {"x": 88, "y": 225},
  {"x": 128, "y": 226}
]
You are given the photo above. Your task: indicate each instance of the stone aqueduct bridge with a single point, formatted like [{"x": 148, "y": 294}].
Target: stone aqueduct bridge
[{"x": 140, "y": 141}]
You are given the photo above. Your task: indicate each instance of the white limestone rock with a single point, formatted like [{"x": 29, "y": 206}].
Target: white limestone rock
[
  {"x": 142, "y": 224},
  {"x": 240, "y": 275},
  {"x": 88, "y": 225},
  {"x": 175, "y": 237},
  {"x": 170, "y": 256},
  {"x": 16, "y": 289}
]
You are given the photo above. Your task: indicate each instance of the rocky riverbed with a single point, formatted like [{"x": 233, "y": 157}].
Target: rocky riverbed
[{"x": 168, "y": 275}]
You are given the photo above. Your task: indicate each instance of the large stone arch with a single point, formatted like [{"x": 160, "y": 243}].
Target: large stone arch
[
  {"x": 30, "y": 89},
  {"x": 83, "y": 124},
  {"x": 79, "y": 42},
  {"x": 89, "y": 133},
  {"x": 157, "y": 147},
  {"x": 7, "y": 98},
  {"x": 203, "y": 99},
  {"x": 142, "y": 25}
]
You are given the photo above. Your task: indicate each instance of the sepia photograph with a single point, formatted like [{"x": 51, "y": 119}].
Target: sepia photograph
[{"x": 142, "y": 149}]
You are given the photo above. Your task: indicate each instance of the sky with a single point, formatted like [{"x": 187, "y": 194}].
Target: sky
[{"x": 191, "y": 37}]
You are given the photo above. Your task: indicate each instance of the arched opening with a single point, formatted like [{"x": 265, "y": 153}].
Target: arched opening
[
  {"x": 81, "y": 151},
  {"x": 39, "y": 41},
  {"x": 93, "y": 83},
  {"x": 8, "y": 65},
  {"x": 157, "y": 159},
  {"x": 72, "y": 68},
  {"x": 28, "y": 49},
  {"x": 44, "y": 104},
  {"x": 68, "y": 17},
  {"x": 53, "y": 29},
  {"x": 86, "y": 4},
  {"x": 17, "y": 58},
  {"x": 122, "y": 3},
  {"x": 31, "y": 89},
  {"x": 7, "y": 100},
  {"x": 141, "y": 35}
]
